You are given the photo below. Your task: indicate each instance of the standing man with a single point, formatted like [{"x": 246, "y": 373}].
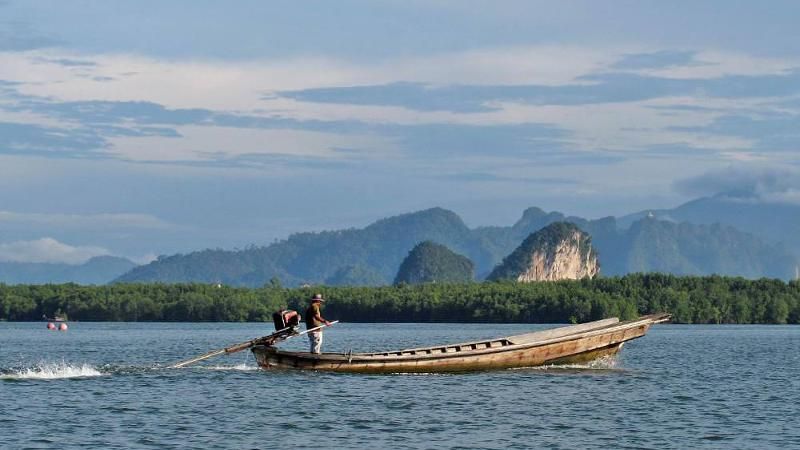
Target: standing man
[{"x": 314, "y": 319}]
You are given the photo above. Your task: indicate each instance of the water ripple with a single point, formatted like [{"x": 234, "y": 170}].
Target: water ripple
[{"x": 679, "y": 387}]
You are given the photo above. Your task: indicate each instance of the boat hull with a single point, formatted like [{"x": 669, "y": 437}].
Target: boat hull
[{"x": 570, "y": 348}]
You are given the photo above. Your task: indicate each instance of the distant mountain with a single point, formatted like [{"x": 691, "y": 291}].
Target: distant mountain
[
  {"x": 559, "y": 251},
  {"x": 774, "y": 223},
  {"x": 98, "y": 270},
  {"x": 317, "y": 258},
  {"x": 429, "y": 262},
  {"x": 372, "y": 255},
  {"x": 651, "y": 245}
]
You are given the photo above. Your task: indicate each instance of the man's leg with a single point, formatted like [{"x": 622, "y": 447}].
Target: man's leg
[
  {"x": 311, "y": 341},
  {"x": 315, "y": 339}
]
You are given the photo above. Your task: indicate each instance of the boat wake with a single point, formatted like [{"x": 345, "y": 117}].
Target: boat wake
[
  {"x": 50, "y": 371},
  {"x": 242, "y": 367},
  {"x": 602, "y": 363}
]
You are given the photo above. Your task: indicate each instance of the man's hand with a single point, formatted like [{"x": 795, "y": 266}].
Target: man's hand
[{"x": 327, "y": 323}]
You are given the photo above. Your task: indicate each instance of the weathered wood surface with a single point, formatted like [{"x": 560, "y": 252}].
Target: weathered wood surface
[
  {"x": 558, "y": 346},
  {"x": 561, "y": 331}
]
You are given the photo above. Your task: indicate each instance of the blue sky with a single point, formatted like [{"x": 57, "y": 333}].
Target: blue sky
[{"x": 141, "y": 128}]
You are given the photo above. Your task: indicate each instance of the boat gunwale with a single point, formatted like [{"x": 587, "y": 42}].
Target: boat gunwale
[
  {"x": 510, "y": 340},
  {"x": 381, "y": 357}
]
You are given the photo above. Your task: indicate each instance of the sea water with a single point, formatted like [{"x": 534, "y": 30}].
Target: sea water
[{"x": 107, "y": 385}]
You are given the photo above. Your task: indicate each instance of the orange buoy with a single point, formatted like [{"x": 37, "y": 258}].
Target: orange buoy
[
  {"x": 62, "y": 327},
  {"x": 51, "y": 326}
]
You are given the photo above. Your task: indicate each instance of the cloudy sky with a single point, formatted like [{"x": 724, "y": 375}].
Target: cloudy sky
[{"x": 139, "y": 128}]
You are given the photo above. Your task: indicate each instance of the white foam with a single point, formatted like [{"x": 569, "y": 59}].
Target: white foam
[
  {"x": 602, "y": 363},
  {"x": 242, "y": 366},
  {"x": 52, "y": 371}
]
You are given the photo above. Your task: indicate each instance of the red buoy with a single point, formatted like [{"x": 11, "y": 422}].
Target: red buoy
[
  {"x": 51, "y": 326},
  {"x": 62, "y": 327}
]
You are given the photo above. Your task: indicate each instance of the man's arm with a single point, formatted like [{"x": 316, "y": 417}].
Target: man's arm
[{"x": 319, "y": 318}]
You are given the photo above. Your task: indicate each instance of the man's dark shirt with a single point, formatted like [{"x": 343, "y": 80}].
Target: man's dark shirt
[{"x": 311, "y": 316}]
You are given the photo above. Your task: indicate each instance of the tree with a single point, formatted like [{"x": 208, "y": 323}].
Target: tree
[{"x": 429, "y": 262}]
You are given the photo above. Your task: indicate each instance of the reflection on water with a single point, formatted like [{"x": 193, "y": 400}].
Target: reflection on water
[{"x": 108, "y": 386}]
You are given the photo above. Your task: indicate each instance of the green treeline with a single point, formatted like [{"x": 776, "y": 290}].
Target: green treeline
[{"x": 712, "y": 299}]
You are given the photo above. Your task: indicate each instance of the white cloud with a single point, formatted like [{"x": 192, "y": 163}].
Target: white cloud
[
  {"x": 239, "y": 85},
  {"x": 550, "y": 65},
  {"x": 48, "y": 250},
  {"x": 747, "y": 182},
  {"x": 715, "y": 64},
  {"x": 8, "y": 115},
  {"x": 229, "y": 85},
  {"x": 628, "y": 126},
  {"x": 85, "y": 221},
  {"x": 199, "y": 143}
]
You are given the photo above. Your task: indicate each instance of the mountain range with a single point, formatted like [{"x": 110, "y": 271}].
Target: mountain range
[
  {"x": 777, "y": 223},
  {"x": 729, "y": 234},
  {"x": 372, "y": 255}
]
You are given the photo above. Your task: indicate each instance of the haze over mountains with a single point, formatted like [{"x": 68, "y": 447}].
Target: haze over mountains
[
  {"x": 372, "y": 255},
  {"x": 97, "y": 270}
]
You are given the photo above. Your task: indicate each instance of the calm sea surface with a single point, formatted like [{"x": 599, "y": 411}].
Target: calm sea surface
[{"x": 104, "y": 385}]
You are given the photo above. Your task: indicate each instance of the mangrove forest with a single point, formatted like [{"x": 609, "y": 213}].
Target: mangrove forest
[{"x": 690, "y": 299}]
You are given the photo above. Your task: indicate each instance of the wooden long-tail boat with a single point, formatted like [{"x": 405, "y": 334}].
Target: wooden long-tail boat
[{"x": 563, "y": 345}]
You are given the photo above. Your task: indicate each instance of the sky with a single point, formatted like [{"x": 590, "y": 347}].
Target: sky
[{"x": 142, "y": 128}]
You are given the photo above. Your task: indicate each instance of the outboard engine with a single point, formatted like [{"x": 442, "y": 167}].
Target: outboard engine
[{"x": 286, "y": 318}]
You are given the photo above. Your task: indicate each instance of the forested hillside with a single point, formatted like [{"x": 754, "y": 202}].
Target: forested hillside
[{"x": 430, "y": 262}]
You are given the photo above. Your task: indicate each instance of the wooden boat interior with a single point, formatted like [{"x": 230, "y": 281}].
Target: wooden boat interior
[{"x": 520, "y": 339}]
